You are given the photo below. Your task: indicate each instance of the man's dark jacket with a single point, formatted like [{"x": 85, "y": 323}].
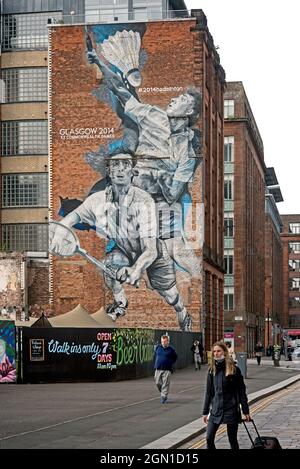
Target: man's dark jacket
[
  {"x": 165, "y": 357},
  {"x": 223, "y": 396}
]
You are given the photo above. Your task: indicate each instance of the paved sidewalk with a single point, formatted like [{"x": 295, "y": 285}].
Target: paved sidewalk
[
  {"x": 285, "y": 364},
  {"x": 280, "y": 418},
  {"x": 181, "y": 436}
]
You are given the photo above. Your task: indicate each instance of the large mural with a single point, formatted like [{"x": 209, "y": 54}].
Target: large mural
[{"x": 141, "y": 203}]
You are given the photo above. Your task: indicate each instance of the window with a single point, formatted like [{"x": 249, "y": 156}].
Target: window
[
  {"x": 228, "y": 108},
  {"x": 26, "y": 31},
  {"x": 229, "y": 225},
  {"x": 294, "y": 228},
  {"x": 228, "y": 149},
  {"x": 294, "y": 302},
  {"x": 294, "y": 247},
  {"x": 21, "y": 237},
  {"x": 25, "y": 190},
  {"x": 25, "y": 84},
  {"x": 228, "y": 187},
  {"x": 294, "y": 284},
  {"x": 228, "y": 298},
  {"x": 140, "y": 14},
  {"x": 294, "y": 265},
  {"x": 24, "y": 138},
  {"x": 228, "y": 260}
]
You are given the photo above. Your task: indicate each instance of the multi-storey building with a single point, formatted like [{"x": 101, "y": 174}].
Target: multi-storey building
[
  {"x": 24, "y": 118},
  {"x": 244, "y": 222},
  {"x": 273, "y": 261},
  {"x": 291, "y": 271},
  {"x": 24, "y": 138},
  {"x": 185, "y": 46}
]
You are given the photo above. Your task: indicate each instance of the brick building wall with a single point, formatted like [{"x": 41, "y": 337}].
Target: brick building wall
[
  {"x": 273, "y": 281},
  {"x": 38, "y": 284},
  {"x": 213, "y": 180},
  {"x": 12, "y": 280},
  {"x": 246, "y": 319},
  {"x": 179, "y": 55}
]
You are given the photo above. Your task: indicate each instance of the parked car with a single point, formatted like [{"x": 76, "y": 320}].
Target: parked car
[{"x": 296, "y": 354}]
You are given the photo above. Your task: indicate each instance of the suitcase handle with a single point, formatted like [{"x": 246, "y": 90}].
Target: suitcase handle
[{"x": 251, "y": 439}]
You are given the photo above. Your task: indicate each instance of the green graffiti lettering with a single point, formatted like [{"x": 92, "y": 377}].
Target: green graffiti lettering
[
  {"x": 125, "y": 352},
  {"x": 131, "y": 354},
  {"x": 120, "y": 351},
  {"x": 139, "y": 352}
]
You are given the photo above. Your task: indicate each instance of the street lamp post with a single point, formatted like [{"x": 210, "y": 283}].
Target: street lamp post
[{"x": 268, "y": 331}]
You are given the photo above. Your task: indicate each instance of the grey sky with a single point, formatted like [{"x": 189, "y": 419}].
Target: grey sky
[{"x": 259, "y": 45}]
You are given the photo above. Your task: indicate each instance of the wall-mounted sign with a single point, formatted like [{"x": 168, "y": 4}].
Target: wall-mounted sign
[{"x": 37, "y": 350}]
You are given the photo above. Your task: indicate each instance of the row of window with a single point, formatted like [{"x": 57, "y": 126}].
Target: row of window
[
  {"x": 109, "y": 15},
  {"x": 24, "y": 84},
  {"x": 25, "y": 190},
  {"x": 29, "y": 137},
  {"x": 29, "y": 31},
  {"x": 229, "y": 300},
  {"x": 24, "y": 237},
  {"x": 26, "y": 31}
]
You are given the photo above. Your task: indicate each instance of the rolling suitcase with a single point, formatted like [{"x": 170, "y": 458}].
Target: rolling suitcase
[{"x": 262, "y": 442}]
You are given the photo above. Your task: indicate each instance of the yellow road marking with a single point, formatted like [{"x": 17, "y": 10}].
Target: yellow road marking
[{"x": 254, "y": 409}]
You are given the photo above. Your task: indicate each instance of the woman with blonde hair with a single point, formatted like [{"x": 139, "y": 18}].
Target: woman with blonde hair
[{"x": 225, "y": 393}]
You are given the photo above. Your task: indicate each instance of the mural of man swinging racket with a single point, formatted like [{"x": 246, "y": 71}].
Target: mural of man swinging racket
[
  {"x": 125, "y": 214},
  {"x": 164, "y": 173}
]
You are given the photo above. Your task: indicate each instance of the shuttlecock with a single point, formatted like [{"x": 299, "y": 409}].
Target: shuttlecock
[{"x": 122, "y": 50}]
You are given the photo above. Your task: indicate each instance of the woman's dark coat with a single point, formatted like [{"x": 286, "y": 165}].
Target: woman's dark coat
[{"x": 223, "y": 396}]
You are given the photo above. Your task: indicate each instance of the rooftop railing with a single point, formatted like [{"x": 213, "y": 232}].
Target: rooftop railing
[{"x": 121, "y": 16}]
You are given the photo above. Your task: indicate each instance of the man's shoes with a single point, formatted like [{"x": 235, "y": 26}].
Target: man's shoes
[
  {"x": 163, "y": 400},
  {"x": 186, "y": 324},
  {"x": 116, "y": 310}
]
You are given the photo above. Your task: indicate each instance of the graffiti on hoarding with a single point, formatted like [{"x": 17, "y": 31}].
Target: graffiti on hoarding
[
  {"x": 120, "y": 348},
  {"x": 7, "y": 352},
  {"x": 37, "y": 350},
  {"x": 105, "y": 360},
  {"x": 141, "y": 204},
  {"x": 134, "y": 346},
  {"x": 67, "y": 348}
]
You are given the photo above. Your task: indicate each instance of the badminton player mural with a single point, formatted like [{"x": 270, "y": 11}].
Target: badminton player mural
[{"x": 141, "y": 204}]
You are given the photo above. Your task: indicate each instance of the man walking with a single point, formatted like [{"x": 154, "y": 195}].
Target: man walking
[{"x": 165, "y": 357}]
